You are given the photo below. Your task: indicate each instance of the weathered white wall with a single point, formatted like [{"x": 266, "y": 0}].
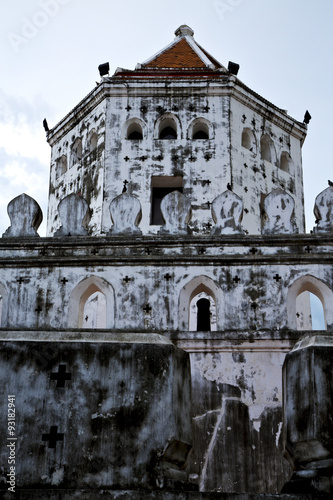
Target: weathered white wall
[
  {"x": 207, "y": 166},
  {"x": 252, "y": 177},
  {"x": 85, "y": 176}
]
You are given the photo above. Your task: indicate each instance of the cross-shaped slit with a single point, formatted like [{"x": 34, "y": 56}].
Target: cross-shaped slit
[
  {"x": 53, "y": 436},
  {"x": 147, "y": 309},
  {"x": 61, "y": 376}
]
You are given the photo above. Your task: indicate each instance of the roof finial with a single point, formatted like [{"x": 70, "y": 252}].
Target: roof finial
[{"x": 184, "y": 30}]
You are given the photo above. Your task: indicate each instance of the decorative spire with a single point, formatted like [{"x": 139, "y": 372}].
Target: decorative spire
[{"x": 184, "y": 30}]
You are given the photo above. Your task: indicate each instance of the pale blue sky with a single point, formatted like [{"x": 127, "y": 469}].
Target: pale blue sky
[{"x": 51, "y": 49}]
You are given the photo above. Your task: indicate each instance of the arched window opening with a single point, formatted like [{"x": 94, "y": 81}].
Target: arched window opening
[
  {"x": 285, "y": 161},
  {"x": 309, "y": 312},
  {"x": 168, "y": 133},
  {"x": 134, "y": 132},
  {"x": 61, "y": 165},
  {"x": 202, "y": 313},
  {"x": 200, "y": 131},
  {"x": 312, "y": 309},
  {"x": 77, "y": 151},
  {"x": 266, "y": 148},
  {"x": 248, "y": 140},
  {"x": 201, "y": 134},
  {"x": 82, "y": 303},
  {"x": 93, "y": 309},
  {"x": 93, "y": 141}
]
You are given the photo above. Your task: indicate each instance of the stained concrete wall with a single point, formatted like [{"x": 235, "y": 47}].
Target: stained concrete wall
[{"x": 115, "y": 405}]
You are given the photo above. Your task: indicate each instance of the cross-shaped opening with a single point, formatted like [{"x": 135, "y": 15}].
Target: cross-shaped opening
[
  {"x": 61, "y": 376},
  {"x": 53, "y": 436},
  {"x": 147, "y": 309}
]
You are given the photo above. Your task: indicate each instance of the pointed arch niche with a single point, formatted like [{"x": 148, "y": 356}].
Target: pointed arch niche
[
  {"x": 309, "y": 297},
  {"x": 267, "y": 150},
  {"x": 134, "y": 129},
  {"x": 168, "y": 127},
  {"x": 200, "y": 128},
  {"x": 93, "y": 140},
  {"x": 249, "y": 140},
  {"x": 91, "y": 304},
  {"x": 202, "y": 290}
]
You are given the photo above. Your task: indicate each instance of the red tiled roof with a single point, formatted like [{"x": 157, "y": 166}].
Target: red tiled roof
[{"x": 180, "y": 55}]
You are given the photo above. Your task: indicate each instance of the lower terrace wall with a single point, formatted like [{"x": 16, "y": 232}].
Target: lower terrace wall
[{"x": 236, "y": 370}]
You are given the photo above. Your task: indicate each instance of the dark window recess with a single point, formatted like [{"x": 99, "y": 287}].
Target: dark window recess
[
  {"x": 168, "y": 133},
  {"x": 200, "y": 135},
  {"x": 203, "y": 315},
  {"x": 135, "y": 136},
  {"x": 158, "y": 194}
]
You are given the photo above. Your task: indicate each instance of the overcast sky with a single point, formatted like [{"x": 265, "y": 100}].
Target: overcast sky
[{"x": 51, "y": 49}]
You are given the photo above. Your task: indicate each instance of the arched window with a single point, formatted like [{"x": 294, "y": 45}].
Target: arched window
[
  {"x": 202, "y": 313},
  {"x": 201, "y": 134},
  {"x": 249, "y": 140},
  {"x": 309, "y": 312},
  {"x": 266, "y": 149},
  {"x": 167, "y": 128},
  {"x": 76, "y": 152},
  {"x": 200, "y": 128},
  {"x": 91, "y": 304},
  {"x": 61, "y": 165},
  {"x": 194, "y": 313},
  {"x": 134, "y": 132},
  {"x": 285, "y": 161},
  {"x": 168, "y": 133},
  {"x": 134, "y": 129},
  {"x": 309, "y": 304},
  {"x": 94, "y": 309},
  {"x": 200, "y": 131},
  {"x": 93, "y": 141}
]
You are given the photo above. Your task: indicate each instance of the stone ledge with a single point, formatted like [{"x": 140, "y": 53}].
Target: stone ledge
[
  {"x": 147, "y": 495},
  {"x": 99, "y": 336}
]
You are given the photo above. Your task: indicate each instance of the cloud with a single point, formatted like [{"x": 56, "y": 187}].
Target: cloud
[
  {"x": 24, "y": 152},
  {"x": 20, "y": 174},
  {"x": 15, "y": 110}
]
